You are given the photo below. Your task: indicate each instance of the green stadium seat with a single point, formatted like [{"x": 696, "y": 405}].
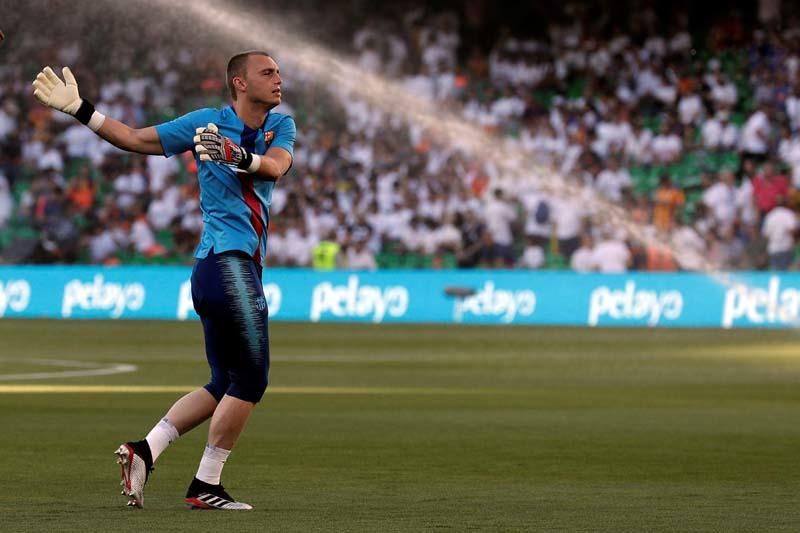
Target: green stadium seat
[
  {"x": 73, "y": 166},
  {"x": 20, "y": 188},
  {"x": 554, "y": 262},
  {"x": 738, "y": 118},
  {"x": 652, "y": 123},
  {"x": 638, "y": 172},
  {"x": 388, "y": 260},
  {"x": 449, "y": 261},
  {"x": 691, "y": 181},
  {"x": 6, "y": 236},
  {"x": 83, "y": 256},
  {"x": 576, "y": 88},
  {"x": 544, "y": 97},
  {"x": 730, "y": 161},
  {"x": 165, "y": 238},
  {"x": 25, "y": 232},
  {"x": 645, "y": 179},
  {"x": 413, "y": 261}
]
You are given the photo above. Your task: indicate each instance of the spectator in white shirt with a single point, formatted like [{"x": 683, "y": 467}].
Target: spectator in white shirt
[
  {"x": 159, "y": 169},
  {"x": 533, "y": 256},
  {"x": 538, "y": 216},
  {"x": 639, "y": 145},
  {"x": 500, "y": 215},
  {"x": 745, "y": 203},
  {"x": 666, "y": 146},
  {"x": 720, "y": 198},
  {"x": 370, "y": 58},
  {"x": 78, "y": 140},
  {"x": 690, "y": 109},
  {"x": 665, "y": 92},
  {"x": 508, "y": 105},
  {"x": 105, "y": 240},
  {"x": 656, "y": 45},
  {"x": 681, "y": 41},
  {"x": 359, "y": 257},
  {"x": 690, "y": 248},
  {"x": 723, "y": 91},
  {"x": 613, "y": 136},
  {"x": 276, "y": 245},
  {"x": 583, "y": 258},
  {"x": 793, "y": 107},
  {"x": 613, "y": 180},
  {"x": 131, "y": 186},
  {"x": 611, "y": 256},
  {"x": 725, "y": 249},
  {"x": 298, "y": 244},
  {"x": 719, "y": 133},
  {"x": 51, "y": 159},
  {"x": 447, "y": 237},
  {"x": 143, "y": 239},
  {"x": 8, "y": 118},
  {"x": 161, "y": 212},
  {"x": 6, "y": 201},
  {"x": 755, "y": 133},
  {"x": 568, "y": 216},
  {"x": 411, "y": 235},
  {"x": 789, "y": 152},
  {"x": 780, "y": 227}
]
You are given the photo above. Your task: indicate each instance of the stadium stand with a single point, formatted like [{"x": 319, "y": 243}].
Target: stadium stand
[{"x": 695, "y": 133}]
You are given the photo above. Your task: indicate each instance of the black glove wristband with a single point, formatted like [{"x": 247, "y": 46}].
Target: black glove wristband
[
  {"x": 247, "y": 159},
  {"x": 85, "y": 112}
]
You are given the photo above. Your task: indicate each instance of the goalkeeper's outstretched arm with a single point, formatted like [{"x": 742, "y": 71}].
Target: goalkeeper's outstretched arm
[{"x": 50, "y": 90}]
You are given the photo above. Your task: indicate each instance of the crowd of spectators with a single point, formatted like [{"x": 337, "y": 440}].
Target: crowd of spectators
[{"x": 698, "y": 139}]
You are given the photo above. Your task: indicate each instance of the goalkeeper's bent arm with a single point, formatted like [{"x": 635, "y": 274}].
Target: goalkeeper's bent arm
[{"x": 211, "y": 145}]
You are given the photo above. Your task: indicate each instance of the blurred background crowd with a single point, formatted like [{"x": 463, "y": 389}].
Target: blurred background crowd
[{"x": 689, "y": 120}]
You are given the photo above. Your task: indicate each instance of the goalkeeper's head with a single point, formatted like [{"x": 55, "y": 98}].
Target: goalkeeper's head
[{"x": 254, "y": 76}]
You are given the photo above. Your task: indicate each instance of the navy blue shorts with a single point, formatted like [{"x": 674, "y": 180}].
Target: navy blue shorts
[{"x": 228, "y": 295}]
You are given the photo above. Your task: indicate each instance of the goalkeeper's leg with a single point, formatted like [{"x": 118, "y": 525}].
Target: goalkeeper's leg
[
  {"x": 136, "y": 458},
  {"x": 231, "y": 304}
]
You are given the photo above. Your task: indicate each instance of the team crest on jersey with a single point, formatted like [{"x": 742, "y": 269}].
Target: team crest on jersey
[{"x": 268, "y": 136}]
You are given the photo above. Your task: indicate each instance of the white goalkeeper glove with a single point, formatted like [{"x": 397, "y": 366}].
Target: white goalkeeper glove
[
  {"x": 211, "y": 145},
  {"x": 51, "y": 91}
]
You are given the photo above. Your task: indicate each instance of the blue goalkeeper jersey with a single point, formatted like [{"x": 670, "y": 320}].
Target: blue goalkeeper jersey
[{"x": 235, "y": 206}]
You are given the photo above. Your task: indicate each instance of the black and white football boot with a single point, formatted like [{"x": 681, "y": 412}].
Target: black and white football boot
[
  {"x": 202, "y": 495},
  {"x": 136, "y": 463}
]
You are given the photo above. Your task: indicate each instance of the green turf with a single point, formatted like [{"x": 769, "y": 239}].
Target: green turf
[{"x": 514, "y": 429}]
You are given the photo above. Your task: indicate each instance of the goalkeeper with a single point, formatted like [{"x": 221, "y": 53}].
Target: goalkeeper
[{"x": 241, "y": 150}]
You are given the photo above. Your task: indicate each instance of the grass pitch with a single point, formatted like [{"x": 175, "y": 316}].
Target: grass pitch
[{"x": 416, "y": 428}]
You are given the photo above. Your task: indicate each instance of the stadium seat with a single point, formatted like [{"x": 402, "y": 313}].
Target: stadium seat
[
  {"x": 6, "y": 235},
  {"x": 73, "y": 165},
  {"x": 651, "y": 122},
  {"x": 413, "y": 261},
  {"x": 388, "y": 260},
  {"x": 166, "y": 238},
  {"x": 21, "y": 186},
  {"x": 554, "y": 261},
  {"x": 449, "y": 261}
]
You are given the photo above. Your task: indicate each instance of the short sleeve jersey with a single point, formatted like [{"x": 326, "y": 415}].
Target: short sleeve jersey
[{"x": 235, "y": 206}]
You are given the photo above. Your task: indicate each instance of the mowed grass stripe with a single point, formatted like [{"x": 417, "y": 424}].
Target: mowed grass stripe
[{"x": 155, "y": 389}]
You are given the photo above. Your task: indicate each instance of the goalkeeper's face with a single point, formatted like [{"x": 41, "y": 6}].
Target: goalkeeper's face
[{"x": 263, "y": 78}]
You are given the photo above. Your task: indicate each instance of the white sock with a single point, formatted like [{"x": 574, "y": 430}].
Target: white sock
[
  {"x": 160, "y": 437},
  {"x": 211, "y": 464}
]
